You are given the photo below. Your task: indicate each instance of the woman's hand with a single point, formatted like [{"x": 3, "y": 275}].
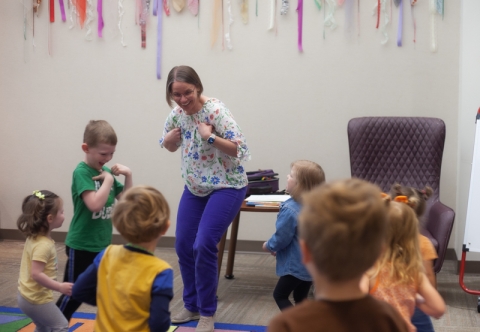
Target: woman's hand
[
  {"x": 205, "y": 130},
  {"x": 172, "y": 139}
]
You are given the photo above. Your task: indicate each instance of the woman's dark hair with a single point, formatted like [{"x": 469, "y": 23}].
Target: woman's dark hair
[
  {"x": 35, "y": 209},
  {"x": 184, "y": 74}
]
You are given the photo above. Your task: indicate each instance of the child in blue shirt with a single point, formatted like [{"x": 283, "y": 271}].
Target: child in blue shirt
[{"x": 294, "y": 277}]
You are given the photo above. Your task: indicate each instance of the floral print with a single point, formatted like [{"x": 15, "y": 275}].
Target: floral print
[{"x": 205, "y": 168}]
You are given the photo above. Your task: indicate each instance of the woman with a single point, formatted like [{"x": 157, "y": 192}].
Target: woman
[{"x": 213, "y": 148}]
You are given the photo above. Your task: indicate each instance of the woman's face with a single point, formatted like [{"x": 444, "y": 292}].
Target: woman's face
[{"x": 186, "y": 96}]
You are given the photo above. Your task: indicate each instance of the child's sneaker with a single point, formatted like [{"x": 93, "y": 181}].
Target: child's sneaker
[
  {"x": 205, "y": 324},
  {"x": 184, "y": 316}
]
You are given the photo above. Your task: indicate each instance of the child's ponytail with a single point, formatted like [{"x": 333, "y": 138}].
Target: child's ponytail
[{"x": 35, "y": 210}]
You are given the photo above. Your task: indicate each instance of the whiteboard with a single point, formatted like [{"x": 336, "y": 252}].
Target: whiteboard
[{"x": 471, "y": 240}]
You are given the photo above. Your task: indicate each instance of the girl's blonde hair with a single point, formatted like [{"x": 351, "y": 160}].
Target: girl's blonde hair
[
  {"x": 35, "y": 210},
  {"x": 141, "y": 214},
  {"x": 308, "y": 175},
  {"x": 402, "y": 247}
]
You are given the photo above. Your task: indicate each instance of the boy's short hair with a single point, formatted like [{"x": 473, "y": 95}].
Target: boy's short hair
[
  {"x": 97, "y": 132},
  {"x": 343, "y": 224},
  {"x": 308, "y": 175},
  {"x": 141, "y": 214}
]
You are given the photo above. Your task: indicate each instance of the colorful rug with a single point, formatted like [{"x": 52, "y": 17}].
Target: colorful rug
[{"x": 13, "y": 320}]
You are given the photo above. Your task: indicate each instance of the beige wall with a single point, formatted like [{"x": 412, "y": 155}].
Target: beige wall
[{"x": 290, "y": 105}]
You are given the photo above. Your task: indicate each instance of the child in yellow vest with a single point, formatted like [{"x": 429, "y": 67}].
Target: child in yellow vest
[{"x": 130, "y": 286}]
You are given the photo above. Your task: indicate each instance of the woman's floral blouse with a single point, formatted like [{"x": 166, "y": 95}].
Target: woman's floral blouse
[{"x": 204, "y": 168}]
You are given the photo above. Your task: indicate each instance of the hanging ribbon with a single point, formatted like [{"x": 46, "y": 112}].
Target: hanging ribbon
[
  {"x": 166, "y": 8},
  {"x": 285, "y": 6},
  {"x": 244, "y": 11},
  {"x": 73, "y": 13},
  {"x": 300, "y": 24},
  {"x": 193, "y": 7},
  {"x": 121, "y": 12},
  {"x": 330, "y": 21},
  {"x": 62, "y": 10},
  {"x": 100, "y": 17},
  {"x": 228, "y": 41},
  {"x": 272, "y": 14},
  {"x": 142, "y": 11},
  {"x": 399, "y": 4},
  {"x": 433, "y": 27},
  {"x": 381, "y": 10},
  {"x": 178, "y": 5},
  {"x": 319, "y": 5},
  {"x": 412, "y": 3},
  {"x": 81, "y": 11},
  {"x": 216, "y": 21},
  {"x": 51, "y": 8},
  {"x": 89, "y": 19},
  {"x": 157, "y": 11},
  {"x": 340, "y": 2}
]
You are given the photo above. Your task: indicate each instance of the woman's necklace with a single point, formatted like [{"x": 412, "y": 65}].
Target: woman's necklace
[{"x": 139, "y": 247}]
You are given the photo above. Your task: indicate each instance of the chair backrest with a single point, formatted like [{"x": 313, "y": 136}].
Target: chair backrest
[{"x": 408, "y": 150}]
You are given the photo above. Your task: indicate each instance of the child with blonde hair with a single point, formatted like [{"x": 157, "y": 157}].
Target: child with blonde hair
[
  {"x": 41, "y": 213},
  {"x": 130, "y": 286},
  {"x": 304, "y": 175},
  {"x": 342, "y": 228},
  {"x": 399, "y": 274}
]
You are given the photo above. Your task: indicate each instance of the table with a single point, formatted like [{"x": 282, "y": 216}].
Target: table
[{"x": 233, "y": 237}]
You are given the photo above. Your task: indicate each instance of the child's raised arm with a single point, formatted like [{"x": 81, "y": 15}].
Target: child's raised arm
[
  {"x": 40, "y": 277},
  {"x": 434, "y": 305},
  {"x": 96, "y": 200},
  {"x": 119, "y": 169}
]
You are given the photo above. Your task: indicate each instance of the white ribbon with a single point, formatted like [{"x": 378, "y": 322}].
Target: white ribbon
[
  {"x": 89, "y": 19},
  {"x": 330, "y": 14},
  {"x": 121, "y": 11},
  {"x": 433, "y": 27},
  {"x": 386, "y": 19},
  {"x": 228, "y": 40},
  {"x": 272, "y": 14}
]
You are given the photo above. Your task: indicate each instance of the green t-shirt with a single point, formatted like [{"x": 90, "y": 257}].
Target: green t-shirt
[{"x": 90, "y": 231}]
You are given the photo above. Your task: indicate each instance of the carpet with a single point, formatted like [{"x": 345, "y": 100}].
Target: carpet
[{"x": 13, "y": 320}]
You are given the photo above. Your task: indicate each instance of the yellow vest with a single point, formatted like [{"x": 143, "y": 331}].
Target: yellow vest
[{"x": 124, "y": 286}]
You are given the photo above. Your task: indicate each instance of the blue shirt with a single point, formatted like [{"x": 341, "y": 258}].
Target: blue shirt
[{"x": 285, "y": 242}]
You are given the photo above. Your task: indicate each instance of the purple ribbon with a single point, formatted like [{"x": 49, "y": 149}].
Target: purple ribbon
[
  {"x": 157, "y": 11},
  {"x": 100, "y": 18},
  {"x": 62, "y": 10},
  {"x": 400, "y": 24},
  {"x": 300, "y": 24}
]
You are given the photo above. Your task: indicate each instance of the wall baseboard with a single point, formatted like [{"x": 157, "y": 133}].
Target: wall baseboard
[
  {"x": 242, "y": 245},
  {"x": 165, "y": 242}
]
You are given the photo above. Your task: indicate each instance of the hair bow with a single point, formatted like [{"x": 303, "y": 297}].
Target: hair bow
[{"x": 39, "y": 194}]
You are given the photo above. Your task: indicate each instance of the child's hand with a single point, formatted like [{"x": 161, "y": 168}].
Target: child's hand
[
  {"x": 419, "y": 299},
  {"x": 264, "y": 247},
  {"x": 102, "y": 176},
  {"x": 66, "y": 288},
  {"x": 118, "y": 169}
]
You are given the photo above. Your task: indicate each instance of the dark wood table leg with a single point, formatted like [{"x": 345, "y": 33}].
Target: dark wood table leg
[
  {"x": 221, "y": 249},
  {"x": 232, "y": 247}
]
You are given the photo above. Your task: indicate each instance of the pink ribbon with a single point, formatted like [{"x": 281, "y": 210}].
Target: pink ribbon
[
  {"x": 166, "y": 8},
  {"x": 300, "y": 24},
  {"x": 157, "y": 11},
  {"x": 100, "y": 17},
  {"x": 62, "y": 10}
]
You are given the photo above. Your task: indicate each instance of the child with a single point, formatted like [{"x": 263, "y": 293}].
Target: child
[
  {"x": 94, "y": 189},
  {"x": 399, "y": 274},
  {"x": 131, "y": 287},
  {"x": 417, "y": 198},
  {"x": 304, "y": 175},
  {"x": 41, "y": 212},
  {"x": 342, "y": 228}
]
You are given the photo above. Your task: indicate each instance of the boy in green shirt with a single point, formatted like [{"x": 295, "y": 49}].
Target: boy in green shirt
[{"x": 94, "y": 190}]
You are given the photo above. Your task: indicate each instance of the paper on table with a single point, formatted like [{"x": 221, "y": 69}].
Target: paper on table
[{"x": 267, "y": 198}]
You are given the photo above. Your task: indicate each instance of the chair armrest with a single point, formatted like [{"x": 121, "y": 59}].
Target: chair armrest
[{"x": 439, "y": 224}]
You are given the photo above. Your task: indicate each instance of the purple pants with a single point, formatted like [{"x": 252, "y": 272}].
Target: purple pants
[{"x": 201, "y": 222}]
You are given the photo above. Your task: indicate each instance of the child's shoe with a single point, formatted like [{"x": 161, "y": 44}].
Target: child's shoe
[
  {"x": 184, "y": 316},
  {"x": 205, "y": 324}
]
